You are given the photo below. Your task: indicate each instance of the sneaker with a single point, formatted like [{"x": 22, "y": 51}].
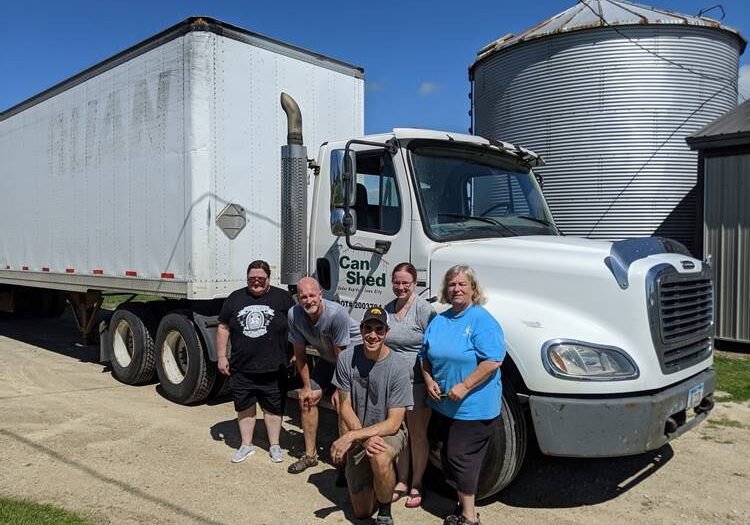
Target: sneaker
[
  {"x": 302, "y": 464},
  {"x": 242, "y": 453},
  {"x": 384, "y": 520},
  {"x": 277, "y": 456}
]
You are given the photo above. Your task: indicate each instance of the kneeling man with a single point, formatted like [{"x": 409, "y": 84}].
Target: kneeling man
[{"x": 374, "y": 392}]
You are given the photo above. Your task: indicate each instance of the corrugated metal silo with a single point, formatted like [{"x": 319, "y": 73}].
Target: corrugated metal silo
[{"x": 606, "y": 92}]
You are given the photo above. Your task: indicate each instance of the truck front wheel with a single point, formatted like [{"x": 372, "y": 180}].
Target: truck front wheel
[
  {"x": 507, "y": 448},
  {"x": 132, "y": 345},
  {"x": 506, "y": 451},
  {"x": 184, "y": 371}
]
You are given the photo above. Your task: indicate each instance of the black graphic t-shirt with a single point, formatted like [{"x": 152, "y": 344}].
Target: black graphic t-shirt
[{"x": 258, "y": 329}]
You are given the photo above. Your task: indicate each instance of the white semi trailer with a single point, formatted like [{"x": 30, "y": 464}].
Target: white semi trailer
[{"x": 157, "y": 172}]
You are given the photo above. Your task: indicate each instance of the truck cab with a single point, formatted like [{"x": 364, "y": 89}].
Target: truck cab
[{"x": 609, "y": 344}]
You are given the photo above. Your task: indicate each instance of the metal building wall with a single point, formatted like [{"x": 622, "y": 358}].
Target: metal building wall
[
  {"x": 727, "y": 241},
  {"x": 610, "y": 120}
]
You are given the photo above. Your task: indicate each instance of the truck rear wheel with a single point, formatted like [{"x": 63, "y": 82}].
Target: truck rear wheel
[
  {"x": 185, "y": 373},
  {"x": 132, "y": 345},
  {"x": 507, "y": 448}
]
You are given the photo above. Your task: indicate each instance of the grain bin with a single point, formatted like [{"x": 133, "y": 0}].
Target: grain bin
[{"x": 606, "y": 92}]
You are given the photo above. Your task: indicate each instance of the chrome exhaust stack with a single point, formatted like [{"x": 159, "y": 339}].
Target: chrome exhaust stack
[{"x": 293, "y": 197}]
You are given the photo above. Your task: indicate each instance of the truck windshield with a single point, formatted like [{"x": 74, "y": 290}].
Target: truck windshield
[{"x": 468, "y": 192}]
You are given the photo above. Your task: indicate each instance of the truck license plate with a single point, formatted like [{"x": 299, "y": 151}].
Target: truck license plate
[{"x": 694, "y": 396}]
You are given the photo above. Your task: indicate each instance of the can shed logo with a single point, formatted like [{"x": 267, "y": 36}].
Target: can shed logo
[
  {"x": 357, "y": 271},
  {"x": 254, "y": 320}
]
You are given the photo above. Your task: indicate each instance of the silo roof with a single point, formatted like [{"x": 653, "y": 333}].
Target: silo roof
[{"x": 592, "y": 14}]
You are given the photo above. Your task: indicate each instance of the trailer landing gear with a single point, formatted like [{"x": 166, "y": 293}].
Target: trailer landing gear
[{"x": 85, "y": 306}]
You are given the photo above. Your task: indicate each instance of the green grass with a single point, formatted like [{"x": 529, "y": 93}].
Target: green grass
[
  {"x": 732, "y": 377},
  {"x": 113, "y": 301},
  {"x": 18, "y": 512}
]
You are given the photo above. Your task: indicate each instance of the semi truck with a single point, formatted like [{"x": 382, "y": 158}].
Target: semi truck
[{"x": 165, "y": 169}]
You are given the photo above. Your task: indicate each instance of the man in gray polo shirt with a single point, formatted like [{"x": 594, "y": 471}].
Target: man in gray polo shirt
[
  {"x": 374, "y": 392},
  {"x": 326, "y": 326}
]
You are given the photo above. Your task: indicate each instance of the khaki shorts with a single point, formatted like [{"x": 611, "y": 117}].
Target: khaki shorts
[{"x": 358, "y": 471}]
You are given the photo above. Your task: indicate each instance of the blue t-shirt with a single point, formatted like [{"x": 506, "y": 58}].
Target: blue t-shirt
[{"x": 455, "y": 344}]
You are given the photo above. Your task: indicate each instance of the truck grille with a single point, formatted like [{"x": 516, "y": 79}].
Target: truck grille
[{"x": 681, "y": 311}]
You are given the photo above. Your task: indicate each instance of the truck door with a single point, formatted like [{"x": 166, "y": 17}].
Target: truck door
[{"x": 357, "y": 278}]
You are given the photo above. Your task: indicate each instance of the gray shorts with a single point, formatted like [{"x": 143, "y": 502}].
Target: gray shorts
[{"x": 358, "y": 470}]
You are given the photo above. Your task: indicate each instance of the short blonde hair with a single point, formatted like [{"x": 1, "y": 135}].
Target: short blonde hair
[{"x": 477, "y": 295}]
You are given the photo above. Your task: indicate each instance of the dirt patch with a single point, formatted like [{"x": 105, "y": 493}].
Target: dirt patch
[{"x": 72, "y": 435}]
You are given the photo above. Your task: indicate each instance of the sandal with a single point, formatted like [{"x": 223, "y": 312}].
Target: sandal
[
  {"x": 302, "y": 464},
  {"x": 413, "y": 499},
  {"x": 398, "y": 494}
]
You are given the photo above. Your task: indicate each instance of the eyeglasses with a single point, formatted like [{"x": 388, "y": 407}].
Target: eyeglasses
[
  {"x": 405, "y": 284},
  {"x": 378, "y": 329},
  {"x": 259, "y": 280}
]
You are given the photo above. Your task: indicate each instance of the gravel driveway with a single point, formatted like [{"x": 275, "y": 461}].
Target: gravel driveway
[{"x": 72, "y": 435}]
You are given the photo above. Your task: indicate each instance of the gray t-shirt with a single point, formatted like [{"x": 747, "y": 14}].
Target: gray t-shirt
[
  {"x": 334, "y": 328},
  {"x": 374, "y": 386},
  {"x": 406, "y": 333}
]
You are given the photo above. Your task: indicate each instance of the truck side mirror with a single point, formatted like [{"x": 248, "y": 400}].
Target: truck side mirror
[
  {"x": 338, "y": 222},
  {"x": 343, "y": 171}
]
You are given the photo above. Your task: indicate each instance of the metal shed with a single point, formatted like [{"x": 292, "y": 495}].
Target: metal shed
[
  {"x": 724, "y": 181},
  {"x": 606, "y": 93}
]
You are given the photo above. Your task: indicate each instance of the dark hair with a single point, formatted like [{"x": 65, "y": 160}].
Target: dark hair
[
  {"x": 263, "y": 265},
  {"x": 405, "y": 267}
]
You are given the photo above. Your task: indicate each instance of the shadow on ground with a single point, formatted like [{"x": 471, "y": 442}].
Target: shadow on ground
[{"x": 56, "y": 335}]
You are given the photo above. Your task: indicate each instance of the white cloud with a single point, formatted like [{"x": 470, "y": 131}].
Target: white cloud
[
  {"x": 743, "y": 84},
  {"x": 427, "y": 88},
  {"x": 374, "y": 86}
]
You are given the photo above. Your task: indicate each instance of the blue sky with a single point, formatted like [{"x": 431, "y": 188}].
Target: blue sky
[{"x": 415, "y": 54}]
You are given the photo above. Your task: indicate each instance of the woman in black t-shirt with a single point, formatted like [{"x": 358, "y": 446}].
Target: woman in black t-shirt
[{"x": 254, "y": 319}]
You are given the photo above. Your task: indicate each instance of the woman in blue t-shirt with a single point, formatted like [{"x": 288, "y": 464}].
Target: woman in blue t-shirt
[{"x": 461, "y": 357}]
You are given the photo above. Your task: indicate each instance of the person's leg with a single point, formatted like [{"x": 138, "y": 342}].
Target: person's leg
[
  {"x": 271, "y": 398},
  {"x": 402, "y": 472},
  {"x": 310, "y": 425},
  {"x": 359, "y": 480},
  {"x": 417, "y": 421},
  {"x": 246, "y": 422},
  {"x": 467, "y": 506},
  {"x": 383, "y": 475}
]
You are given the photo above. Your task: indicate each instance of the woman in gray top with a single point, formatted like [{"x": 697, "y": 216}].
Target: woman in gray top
[{"x": 408, "y": 317}]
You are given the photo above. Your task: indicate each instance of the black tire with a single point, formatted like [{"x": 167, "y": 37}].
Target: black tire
[
  {"x": 185, "y": 372},
  {"x": 507, "y": 449},
  {"x": 132, "y": 343}
]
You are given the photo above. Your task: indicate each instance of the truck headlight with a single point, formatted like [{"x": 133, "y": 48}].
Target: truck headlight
[{"x": 580, "y": 361}]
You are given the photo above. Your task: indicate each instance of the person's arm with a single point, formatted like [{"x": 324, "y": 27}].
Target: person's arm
[
  {"x": 346, "y": 411},
  {"x": 480, "y": 374},
  {"x": 432, "y": 386},
  {"x": 222, "y": 336},
  {"x": 388, "y": 427}
]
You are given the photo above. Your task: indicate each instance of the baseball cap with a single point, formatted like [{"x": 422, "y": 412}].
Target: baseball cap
[{"x": 377, "y": 314}]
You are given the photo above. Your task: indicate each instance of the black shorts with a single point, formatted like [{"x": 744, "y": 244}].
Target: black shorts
[
  {"x": 321, "y": 375},
  {"x": 465, "y": 444},
  {"x": 267, "y": 389}
]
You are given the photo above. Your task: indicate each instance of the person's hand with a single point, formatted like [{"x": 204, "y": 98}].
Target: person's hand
[
  {"x": 308, "y": 398},
  {"x": 335, "y": 400},
  {"x": 458, "y": 392},
  {"x": 374, "y": 446},
  {"x": 340, "y": 447},
  {"x": 433, "y": 389},
  {"x": 223, "y": 364}
]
